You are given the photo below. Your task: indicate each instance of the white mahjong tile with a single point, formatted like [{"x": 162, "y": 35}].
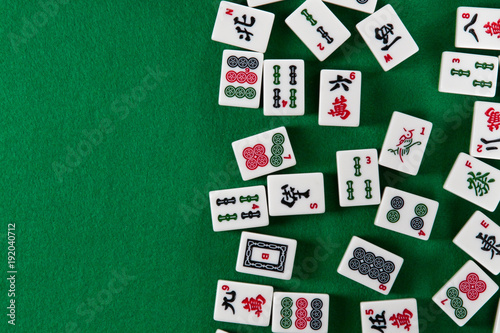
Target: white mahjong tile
[
  {"x": 264, "y": 153},
  {"x": 243, "y": 26},
  {"x": 468, "y": 74},
  {"x": 465, "y": 293},
  {"x": 339, "y": 98},
  {"x": 266, "y": 255},
  {"x": 243, "y": 303},
  {"x": 296, "y": 194},
  {"x": 405, "y": 143},
  {"x": 478, "y": 239},
  {"x": 393, "y": 316},
  {"x": 239, "y": 208},
  {"x": 284, "y": 88},
  {"x": 474, "y": 181},
  {"x": 387, "y": 37},
  {"x": 370, "y": 265},
  {"x": 485, "y": 136},
  {"x": 300, "y": 312},
  {"x": 478, "y": 28},
  {"x": 406, "y": 213},
  {"x": 358, "y": 177},
  {"x": 318, "y": 28},
  {"x": 241, "y": 78}
]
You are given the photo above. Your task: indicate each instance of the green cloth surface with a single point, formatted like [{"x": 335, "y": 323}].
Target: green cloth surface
[{"x": 111, "y": 138}]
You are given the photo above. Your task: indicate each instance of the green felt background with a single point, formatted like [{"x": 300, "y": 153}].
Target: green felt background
[{"x": 115, "y": 235}]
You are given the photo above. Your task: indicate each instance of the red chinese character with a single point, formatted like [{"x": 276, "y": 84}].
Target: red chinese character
[
  {"x": 493, "y": 28},
  {"x": 254, "y": 304},
  {"x": 493, "y": 119},
  {"x": 340, "y": 108},
  {"x": 402, "y": 319}
]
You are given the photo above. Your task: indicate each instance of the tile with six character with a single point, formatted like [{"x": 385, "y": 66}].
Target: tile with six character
[
  {"x": 405, "y": 142},
  {"x": 478, "y": 28},
  {"x": 243, "y": 303},
  {"x": 406, "y": 213},
  {"x": 339, "y": 98},
  {"x": 242, "y": 26},
  {"x": 266, "y": 255},
  {"x": 296, "y": 194},
  {"x": 300, "y": 312},
  {"x": 241, "y": 78},
  {"x": 485, "y": 137},
  {"x": 393, "y": 316},
  {"x": 387, "y": 37},
  {"x": 478, "y": 239},
  {"x": 367, "y": 6},
  {"x": 465, "y": 293},
  {"x": 264, "y": 153},
  {"x": 496, "y": 328},
  {"x": 318, "y": 28},
  {"x": 468, "y": 74},
  {"x": 284, "y": 87},
  {"x": 239, "y": 208},
  {"x": 359, "y": 183},
  {"x": 475, "y": 181},
  {"x": 370, "y": 265},
  {"x": 256, "y": 3}
]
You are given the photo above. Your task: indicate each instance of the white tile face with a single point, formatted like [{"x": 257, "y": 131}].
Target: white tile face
[
  {"x": 358, "y": 177},
  {"x": 300, "y": 312},
  {"x": 296, "y": 194},
  {"x": 394, "y": 316},
  {"x": 264, "y": 153},
  {"x": 370, "y": 265},
  {"x": 406, "y": 213},
  {"x": 255, "y": 3},
  {"x": 485, "y": 137},
  {"x": 220, "y": 331},
  {"x": 339, "y": 98},
  {"x": 387, "y": 37},
  {"x": 243, "y": 303},
  {"x": 478, "y": 28},
  {"x": 474, "y": 181},
  {"x": 239, "y": 208},
  {"x": 367, "y": 6},
  {"x": 284, "y": 87},
  {"x": 478, "y": 238},
  {"x": 496, "y": 328},
  {"x": 404, "y": 143},
  {"x": 266, "y": 255},
  {"x": 468, "y": 74},
  {"x": 241, "y": 78},
  {"x": 465, "y": 293},
  {"x": 318, "y": 28},
  {"x": 243, "y": 26}
]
